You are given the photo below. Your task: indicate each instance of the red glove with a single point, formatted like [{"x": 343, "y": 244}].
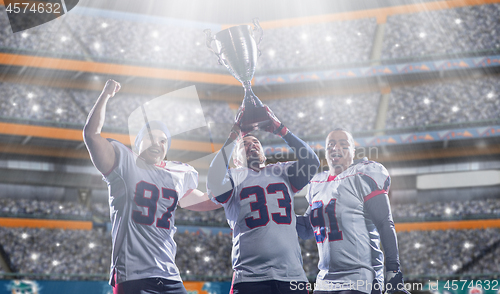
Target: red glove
[
  {"x": 276, "y": 127},
  {"x": 237, "y": 123}
]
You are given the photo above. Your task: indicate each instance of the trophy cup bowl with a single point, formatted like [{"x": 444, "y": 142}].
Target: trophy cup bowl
[{"x": 237, "y": 49}]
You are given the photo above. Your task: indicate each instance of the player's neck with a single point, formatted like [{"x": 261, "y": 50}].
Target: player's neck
[{"x": 255, "y": 164}]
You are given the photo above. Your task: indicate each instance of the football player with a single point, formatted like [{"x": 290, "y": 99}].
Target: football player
[
  {"x": 258, "y": 201},
  {"x": 349, "y": 214},
  {"x": 144, "y": 191}
]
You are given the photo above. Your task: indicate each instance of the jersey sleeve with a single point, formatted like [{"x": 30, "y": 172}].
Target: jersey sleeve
[
  {"x": 373, "y": 185},
  {"x": 372, "y": 179},
  {"x": 123, "y": 158},
  {"x": 190, "y": 181},
  {"x": 186, "y": 175},
  {"x": 225, "y": 192}
]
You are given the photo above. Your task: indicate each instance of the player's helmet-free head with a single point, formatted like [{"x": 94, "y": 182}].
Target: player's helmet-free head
[
  {"x": 340, "y": 150},
  {"x": 240, "y": 157},
  {"x": 153, "y": 125}
]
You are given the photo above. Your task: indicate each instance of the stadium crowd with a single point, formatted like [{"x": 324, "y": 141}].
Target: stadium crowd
[
  {"x": 166, "y": 44},
  {"x": 58, "y": 254},
  {"x": 314, "y": 116},
  {"x": 489, "y": 263},
  {"x": 420, "y": 211},
  {"x": 32, "y": 102},
  {"x": 439, "y": 104},
  {"x": 446, "y": 209},
  {"x": 446, "y": 102},
  {"x": 52, "y": 39},
  {"x": 313, "y": 46},
  {"x": 443, "y": 252},
  {"x": 107, "y": 37},
  {"x": 445, "y": 31},
  {"x": 43, "y": 209}
]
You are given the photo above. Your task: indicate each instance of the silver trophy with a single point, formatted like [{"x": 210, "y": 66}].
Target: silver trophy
[{"x": 237, "y": 49}]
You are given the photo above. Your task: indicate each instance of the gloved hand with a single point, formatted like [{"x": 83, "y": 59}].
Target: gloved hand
[
  {"x": 276, "y": 127},
  {"x": 394, "y": 282}
]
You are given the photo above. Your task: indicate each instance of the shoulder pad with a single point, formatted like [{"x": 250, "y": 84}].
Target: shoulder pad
[
  {"x": 179, "y": 166},
  {"x": 375, "y": 171}
]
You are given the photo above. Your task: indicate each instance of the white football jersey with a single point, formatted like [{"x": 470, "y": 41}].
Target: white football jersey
[
  {"x": 260, "y": 212},
  {"x": 142, "y": 200},
  {"x": 348, "y": 242}
]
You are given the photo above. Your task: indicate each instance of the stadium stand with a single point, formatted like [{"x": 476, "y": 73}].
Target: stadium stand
[
  {"x": 64, "y": 108},
  {"x": 38, "y": 103},
  {"x": 12, "y": 207},
  {"x": 328, "y": 112},
  {"x": 51, "y": 39},
  {"x": 489, "y": 263},
  {"x": 172, "y": 46},
  {"x": 58, "y": 254},
  {"x": 444, "y": 251},
  {"x": 484, "y": 208},
  {"x": 106, "y": 38},
  {"x": 447, "y": 102},
  {"x": 426, "y": 105},
  {"x": 426, "y": 211},
  {"x": 430, "y": 104},
  {"x": 204, "y": 255},
  {"x": 447, "y": 31},
  {"x": 206, "y": 218},
  {"x": 214, "y": 218},
  {"x": 316, "y": 46}
]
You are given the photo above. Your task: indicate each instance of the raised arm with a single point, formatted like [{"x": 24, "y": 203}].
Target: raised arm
[
  {"x": 302, "y": 171},
  {"x": 101, "y": 151},
  {"x": 220, "y": 185}
]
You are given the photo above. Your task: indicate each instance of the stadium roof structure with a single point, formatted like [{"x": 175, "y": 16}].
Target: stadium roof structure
[{"x": 241, "y": 11}]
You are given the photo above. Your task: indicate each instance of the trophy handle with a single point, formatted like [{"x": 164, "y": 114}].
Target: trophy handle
[
  {"x": 209, "y": 40},
  {"x": 259, "y": 29}
]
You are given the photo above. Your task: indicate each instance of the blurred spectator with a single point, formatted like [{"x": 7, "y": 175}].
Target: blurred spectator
[
  {"x": 52, "y": 38},
  {"x": 449, "y": 209},
  {"x": 13, "y": 207},
  {"x": 56, "y": 251},
  {"x": 446, "y": 102},
  {"x": 316, "y": 116},
  {"x": 147, "y": 42},
  {"x": 442, "y": 252},
  {"x": 314, "y": 46},
  {"x": 156, "y": 42},
  {"x": 200, "y": 256},
  {"x": 489, "y": 263},
  {"x": 38, "y": 103},
  {"x": 445, "y": 31}
]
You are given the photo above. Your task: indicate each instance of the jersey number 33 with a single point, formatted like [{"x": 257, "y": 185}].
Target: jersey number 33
[{"x": 282, "y": 198}]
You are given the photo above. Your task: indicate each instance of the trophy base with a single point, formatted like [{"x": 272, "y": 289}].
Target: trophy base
[
  {"x": 254, "y": 126},
  {"x": 254, "y": 118}
]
